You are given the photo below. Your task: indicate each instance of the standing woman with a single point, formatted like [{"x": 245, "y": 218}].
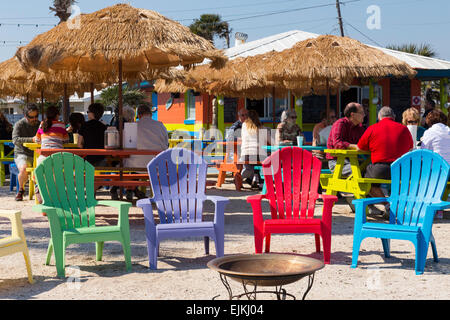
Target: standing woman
[{"x": 253, "y": 136}]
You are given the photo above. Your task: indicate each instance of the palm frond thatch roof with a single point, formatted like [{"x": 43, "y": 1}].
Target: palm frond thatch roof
[
  {"x": 142, "y": 39},
  {"x": 338, "y": 58}
]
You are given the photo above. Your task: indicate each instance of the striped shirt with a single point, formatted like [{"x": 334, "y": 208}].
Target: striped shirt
[{"x": 55, "y": 136}]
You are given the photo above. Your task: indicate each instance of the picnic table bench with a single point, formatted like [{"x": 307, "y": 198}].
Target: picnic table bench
[
  {"x": 5, "y": 159},
  {"x": 355, "y": 183}
]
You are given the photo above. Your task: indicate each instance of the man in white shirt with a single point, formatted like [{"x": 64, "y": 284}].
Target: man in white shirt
[{"x": 151, "y": 135}]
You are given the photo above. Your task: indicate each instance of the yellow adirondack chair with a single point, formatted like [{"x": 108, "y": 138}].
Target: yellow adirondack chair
[{"x": 16, "y": 242}]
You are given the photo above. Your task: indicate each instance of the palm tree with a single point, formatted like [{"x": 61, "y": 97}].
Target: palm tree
[
  {"x": 61, "y": 9},
  {"x": 132, "y": 97},
  {"x": 423, "y": 49},
  {"x": 211, "y": 25}
]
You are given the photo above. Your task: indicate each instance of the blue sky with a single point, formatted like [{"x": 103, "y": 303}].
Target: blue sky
[{"x": 400, "y": 21}]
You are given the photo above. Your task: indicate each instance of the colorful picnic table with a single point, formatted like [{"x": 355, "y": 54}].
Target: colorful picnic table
[
  {"x": 355, "y": 183},
  {"x": 36, "y": 147},
  {"x": 122, "y": 179},
  {"x": 305, "y": 147}
]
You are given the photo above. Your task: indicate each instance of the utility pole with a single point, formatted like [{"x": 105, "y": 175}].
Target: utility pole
[{"x": 338, "y": 7}]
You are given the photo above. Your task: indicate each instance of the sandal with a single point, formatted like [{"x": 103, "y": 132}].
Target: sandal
[{"x": 19, "y": 195}]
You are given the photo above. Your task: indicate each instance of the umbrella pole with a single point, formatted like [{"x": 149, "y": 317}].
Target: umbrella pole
[
  {"x": 273, "y": 107},
  {"x": 65, "y": 106},
  {"x": 120, "y": 105},
  {"x": 120, "y": 125},
  {"x": 42, "y": 104},
  {"x": 92, "y": 92},
  {"x": 328, "y": 99}
]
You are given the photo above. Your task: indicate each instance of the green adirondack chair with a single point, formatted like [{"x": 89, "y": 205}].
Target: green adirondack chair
[{"x": 66, "y": 185}]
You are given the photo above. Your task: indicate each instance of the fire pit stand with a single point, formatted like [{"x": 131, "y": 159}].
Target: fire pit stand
[{"x": 264, "y": 270}]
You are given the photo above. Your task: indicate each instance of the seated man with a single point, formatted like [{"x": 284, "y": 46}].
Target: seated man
[
  {"x": 387, "y": 141},
  {"x": 234, "y": 132},
  {"x": 345, "y": 134},
  {"x": 92, "y": 134},
  {"x": 23, "y": 132},
  {"x": 151, "y": 135}
]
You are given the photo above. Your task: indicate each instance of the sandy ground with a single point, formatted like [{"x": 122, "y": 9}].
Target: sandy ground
[{"x": 182, "y": 272}]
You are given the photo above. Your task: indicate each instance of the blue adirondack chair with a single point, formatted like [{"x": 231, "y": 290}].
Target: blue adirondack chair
[
  {"x": 418, "y": 182},
  {"x": 178, "y": 180}
]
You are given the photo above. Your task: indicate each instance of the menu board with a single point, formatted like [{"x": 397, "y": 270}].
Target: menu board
[
  {"x": 400, "y": 94},
  {"x": 230, "y": 109},
  {"x": 313, "y": 105}
]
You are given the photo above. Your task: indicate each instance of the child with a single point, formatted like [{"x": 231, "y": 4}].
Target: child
[{"x": 51, "y": 134}]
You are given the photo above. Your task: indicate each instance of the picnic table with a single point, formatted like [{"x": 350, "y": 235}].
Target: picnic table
[
  {"x": 230, "y": 163},
  {"x": 5, "y": 158},
  {"x": 116, "y": 176},
  {"x": 355, "y": 183},
  {"x": 306, "y": 147},
  {"x": 36, "y": 147}
]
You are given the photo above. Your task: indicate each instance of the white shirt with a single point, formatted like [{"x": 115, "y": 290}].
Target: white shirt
[
  {"x": 324, "y": 134},
  {"x": 151, "y": 135},
  {"x": 250, "y": 145},
  {"x": 437, "y": 139}
]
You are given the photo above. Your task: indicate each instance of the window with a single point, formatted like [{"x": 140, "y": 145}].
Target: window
[
  {"x": 264, "y": 107},
  {"x": 190, "y": 105}
]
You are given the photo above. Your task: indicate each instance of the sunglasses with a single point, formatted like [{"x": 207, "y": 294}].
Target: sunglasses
[
  {"x": 35, "y": 117},
  {"x": 412, "y": 121}
]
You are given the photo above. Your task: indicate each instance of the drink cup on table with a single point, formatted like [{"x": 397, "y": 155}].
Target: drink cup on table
[{"x": 299, "y": 141}]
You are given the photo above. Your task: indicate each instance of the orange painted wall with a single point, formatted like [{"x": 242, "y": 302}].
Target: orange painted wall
[{"x": 176, "y": 113}]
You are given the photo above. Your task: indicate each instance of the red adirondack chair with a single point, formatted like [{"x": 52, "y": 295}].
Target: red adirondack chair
[{"x": 292, "y": 180}]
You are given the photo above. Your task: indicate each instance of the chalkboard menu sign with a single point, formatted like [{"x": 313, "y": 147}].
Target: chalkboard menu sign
[
  {"x": 230, "y": 109},
  {"x": 314, "y": 105},
  {"x": 400, "y": 93}
]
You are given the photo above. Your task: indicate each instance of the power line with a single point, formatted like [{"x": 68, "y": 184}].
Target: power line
[
  {"x": 229, "y": 7},
  {"x": 265, "y": 14},
  {"x": 346, "y": 22}
]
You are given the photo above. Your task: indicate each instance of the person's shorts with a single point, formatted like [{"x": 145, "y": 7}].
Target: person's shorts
[
  {"x": 379, "y": 170},
  {"x": 346, "y": 169},
  {"x": 22, "y": 160}
]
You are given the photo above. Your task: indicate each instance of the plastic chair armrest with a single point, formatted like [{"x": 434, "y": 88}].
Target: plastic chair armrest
[
  {"x": 360, "y": 207},
  {"x": 256, "y": 198},
  {"x": 220, "y": 203},
  {"x": 55, "y": 224},
  {"x": 146, "y": 206},
  {"x": 122, "y": 206}
]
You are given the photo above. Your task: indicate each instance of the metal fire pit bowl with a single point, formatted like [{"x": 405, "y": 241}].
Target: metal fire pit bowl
[{"x": 265, "y": 270}]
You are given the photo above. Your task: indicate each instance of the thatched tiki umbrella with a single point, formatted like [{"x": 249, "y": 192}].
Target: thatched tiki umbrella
[
  {"x": 247, "y": 78},
  {"x": 331, "y": 58},
  {"x": 119, "y": 39},
  {"x": 54, "y": 84}
]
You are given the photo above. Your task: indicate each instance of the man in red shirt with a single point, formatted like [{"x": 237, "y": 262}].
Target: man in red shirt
[
  {"x": 387, "y": 141},
  {"x": 345, "y": 134}
]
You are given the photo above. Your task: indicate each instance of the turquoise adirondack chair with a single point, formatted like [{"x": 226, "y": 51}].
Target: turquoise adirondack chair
[
  {"x": 418, "y": 180},
  {"x": 66, "y": 184}
]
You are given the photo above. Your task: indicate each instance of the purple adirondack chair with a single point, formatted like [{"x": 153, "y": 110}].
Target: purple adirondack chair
[{"x": 178, "y": 180}]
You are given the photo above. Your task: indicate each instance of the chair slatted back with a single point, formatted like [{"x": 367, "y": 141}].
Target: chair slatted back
[
  {"x": 418, "y": 179},
  {"x": 178, "y": 179},
  {"x": 66, "y": 182},
  {"x": 292, "y": 181}
]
